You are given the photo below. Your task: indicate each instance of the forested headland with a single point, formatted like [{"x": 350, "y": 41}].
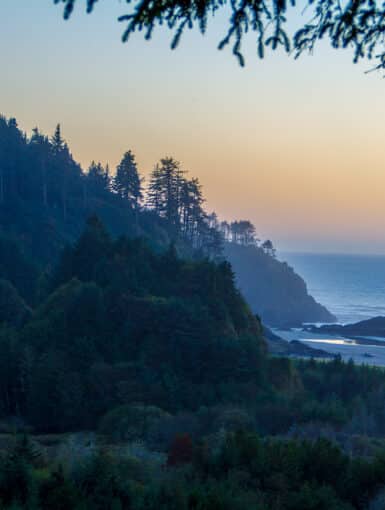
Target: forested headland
[
  {"x": 142, "y": 380},
  {"x": 46, "y": 198},
  {"x": 133, "y": 373}
]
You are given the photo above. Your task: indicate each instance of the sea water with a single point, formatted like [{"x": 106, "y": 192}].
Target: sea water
[{"x": 352, "y": 287}]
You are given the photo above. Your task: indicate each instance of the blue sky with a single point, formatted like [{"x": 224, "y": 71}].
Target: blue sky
[{"x": 295, "y": 146}]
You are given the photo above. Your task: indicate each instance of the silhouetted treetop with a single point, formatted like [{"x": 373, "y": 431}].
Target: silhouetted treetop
[
  {"x": 359, "y": 24},
  {"x": 42, "y": 185},
  {"x": 127, "y": 182}
]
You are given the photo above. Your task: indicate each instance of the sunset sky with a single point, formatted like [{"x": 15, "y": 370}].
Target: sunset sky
[{"x": 295, "y": 146}]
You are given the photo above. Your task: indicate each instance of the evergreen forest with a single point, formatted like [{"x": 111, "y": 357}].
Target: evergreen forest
[{"x": 134, "y": 374}]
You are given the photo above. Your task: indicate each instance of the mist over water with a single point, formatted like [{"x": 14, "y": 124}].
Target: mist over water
[{"x": 352, "y": 287}]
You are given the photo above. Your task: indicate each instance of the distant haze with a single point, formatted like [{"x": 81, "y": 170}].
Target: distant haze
[
  {"x": 351, "y": 286},
  {"x": 294, "y": 146}
]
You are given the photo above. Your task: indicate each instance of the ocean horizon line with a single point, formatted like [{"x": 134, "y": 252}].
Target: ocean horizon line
[{"x": 331, "y": 253}]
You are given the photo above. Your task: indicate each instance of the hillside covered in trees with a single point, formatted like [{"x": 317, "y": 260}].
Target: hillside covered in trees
[
  {"x": 116, "y": 324},
  {"x": 120, "y": 324},
  {"x": 161, "y": 361},
  {"x": 46, "y": 197},
  {"x": 134, "y": 375}
]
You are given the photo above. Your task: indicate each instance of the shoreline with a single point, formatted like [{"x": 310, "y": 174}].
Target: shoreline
[{"x": 362, "y": 350}]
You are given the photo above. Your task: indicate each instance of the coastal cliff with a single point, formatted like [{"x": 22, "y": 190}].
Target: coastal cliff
[{"x": 272, "y": 288}]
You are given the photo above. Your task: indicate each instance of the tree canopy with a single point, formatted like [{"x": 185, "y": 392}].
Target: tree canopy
[
  {"x": 45, "y": 198},
  {"x": 359, "y": 24}
]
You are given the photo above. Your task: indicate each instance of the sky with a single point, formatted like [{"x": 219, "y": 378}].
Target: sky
[{"x": 296, "y": 146}]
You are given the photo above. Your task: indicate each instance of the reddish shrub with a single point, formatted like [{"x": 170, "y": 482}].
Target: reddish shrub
[{"x": 181, "y": 450}]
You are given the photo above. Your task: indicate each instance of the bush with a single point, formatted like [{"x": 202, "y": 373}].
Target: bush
[{"x": 130, "y": 422}]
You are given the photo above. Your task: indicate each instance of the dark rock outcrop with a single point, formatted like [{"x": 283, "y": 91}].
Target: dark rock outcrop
[{"x": 369, "y": 327}]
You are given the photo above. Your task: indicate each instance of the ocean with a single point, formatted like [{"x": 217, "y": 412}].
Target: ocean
[{"x": 352, "y": 287}]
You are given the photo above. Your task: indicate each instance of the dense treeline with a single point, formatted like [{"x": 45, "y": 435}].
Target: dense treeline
[
  {"x": 38, "y": 174},
  {"x": 116, "y": 322},
  {"x": 42, "y": 170},
  {"x": 46, "y": 197},
  {"x": 159, "y": 356},
  {"x": 121, "y": 325}
]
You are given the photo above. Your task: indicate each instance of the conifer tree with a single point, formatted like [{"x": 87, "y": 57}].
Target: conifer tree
[
  {"x": 359, "y": 24},
  {"x": 41, "y": 146},
  {"x": 127, "y": 182},
  {"x": 11, "y": 143},
  {"x": 165, "y": 189},
  {"x": 98, "y": 177},
  {"x": 192, "y": 213},
  {"x": 268, "y": 248},
  {"x": 225, "y": 229},
  {"x": 61, "y": 157},
  {"x": 57, "y": 142},
  {"x": 247, "y": 233},
  {"x": 154, "y": 191}
]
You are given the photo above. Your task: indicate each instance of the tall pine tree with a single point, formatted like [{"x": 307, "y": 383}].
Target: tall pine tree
[
  {"x": 98, "y": 178},
  {"x": 127, "y": 182},
  {"x": 165, "y": 190}
]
